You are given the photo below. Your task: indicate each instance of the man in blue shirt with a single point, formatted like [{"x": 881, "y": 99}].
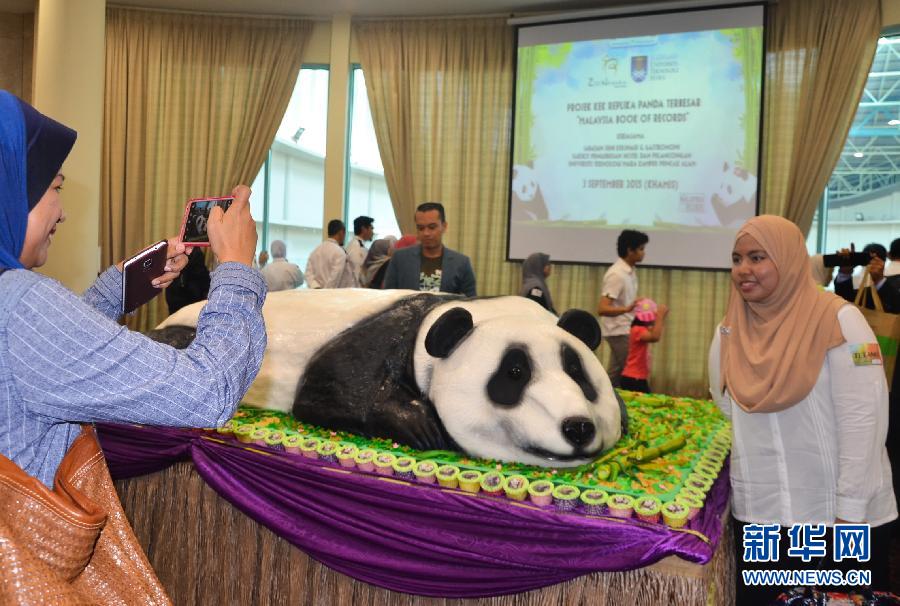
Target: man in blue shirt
[{"x": 429, "y": 265}]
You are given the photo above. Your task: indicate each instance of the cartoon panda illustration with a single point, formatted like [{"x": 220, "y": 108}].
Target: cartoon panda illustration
[
  {"x": 527, "y": 201},
  {"x": 498, "y": 378},
  {"x": 735, "y": 200}
]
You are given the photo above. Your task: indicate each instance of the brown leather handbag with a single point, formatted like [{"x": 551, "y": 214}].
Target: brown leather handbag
[{"x": 72, "y": 544}]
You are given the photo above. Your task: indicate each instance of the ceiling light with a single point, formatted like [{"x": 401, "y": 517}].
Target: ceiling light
[{"x": 858, "y": 154}]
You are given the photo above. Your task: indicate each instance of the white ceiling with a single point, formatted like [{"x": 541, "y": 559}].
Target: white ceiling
[{"x": 366, "y": 8}]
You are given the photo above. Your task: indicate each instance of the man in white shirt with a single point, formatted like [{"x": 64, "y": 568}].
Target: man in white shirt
[
  {"x": 328, "y": 265},
  {"x": 617, "y": 296},
  {"x": 356, "y": 250},
  {"x": 280, "y": 274}
]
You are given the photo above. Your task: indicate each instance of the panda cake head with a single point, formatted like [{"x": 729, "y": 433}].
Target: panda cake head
[{"x": 511, "y": 383}]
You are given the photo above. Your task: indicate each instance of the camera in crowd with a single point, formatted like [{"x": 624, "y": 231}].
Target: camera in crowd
[{"x": 847, "y": 260}]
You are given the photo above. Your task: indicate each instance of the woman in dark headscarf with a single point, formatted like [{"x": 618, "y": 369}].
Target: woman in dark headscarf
[
  {"x": 535, "y": 270},
  {"x": 65, "y": 359},
  {"x": 375, "y": 266}
]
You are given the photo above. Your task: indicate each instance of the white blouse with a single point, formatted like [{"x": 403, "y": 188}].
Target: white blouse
[{"x": 824, "y": 457}]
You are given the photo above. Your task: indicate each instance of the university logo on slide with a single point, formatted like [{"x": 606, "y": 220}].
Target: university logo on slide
[{"x": 639, "y": 68}]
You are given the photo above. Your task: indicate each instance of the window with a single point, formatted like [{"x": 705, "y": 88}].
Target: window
[
  {"x": 288, "y": 193},
  {"x": 861, "y": 203},
  {"x": 367, "y": 192}
]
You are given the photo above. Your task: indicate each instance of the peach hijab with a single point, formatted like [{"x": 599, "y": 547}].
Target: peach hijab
[{"x": 773, "y": 350}]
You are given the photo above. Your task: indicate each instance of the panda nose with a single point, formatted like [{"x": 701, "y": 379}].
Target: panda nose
[{"x": 578, "y": 431}]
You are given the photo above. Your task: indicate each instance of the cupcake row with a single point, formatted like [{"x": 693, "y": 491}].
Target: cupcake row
[{"x": 543, "y": 493}]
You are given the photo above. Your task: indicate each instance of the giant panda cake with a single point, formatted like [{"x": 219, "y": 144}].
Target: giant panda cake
[{"x": 498, "y": 378}]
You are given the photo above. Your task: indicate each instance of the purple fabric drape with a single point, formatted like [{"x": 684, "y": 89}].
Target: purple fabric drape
[{"x": 409, "y": 537}]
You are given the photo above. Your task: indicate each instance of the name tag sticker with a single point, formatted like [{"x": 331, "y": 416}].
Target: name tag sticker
[
  {"x": 866, "y": 354},
  {"x": 537, "y": 292}
]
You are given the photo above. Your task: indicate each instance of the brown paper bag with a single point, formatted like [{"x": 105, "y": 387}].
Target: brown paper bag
[{"x": 886, "y": 326}]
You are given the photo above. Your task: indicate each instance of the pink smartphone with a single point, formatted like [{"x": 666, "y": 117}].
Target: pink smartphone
[
  {"x": 196, "y": 214},
  {"x": 138, "y": 274}
]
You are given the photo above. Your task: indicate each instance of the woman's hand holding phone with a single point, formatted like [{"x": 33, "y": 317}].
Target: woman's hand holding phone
[
  {"x": 232, "y": 234},
  {"x": 176, "y": 260}
]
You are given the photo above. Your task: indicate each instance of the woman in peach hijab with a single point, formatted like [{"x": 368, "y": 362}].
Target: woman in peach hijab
[{"x": 798, "y": 371}]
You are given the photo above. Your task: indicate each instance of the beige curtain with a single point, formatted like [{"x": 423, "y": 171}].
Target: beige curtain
[
  {"x": 818, "y": 58},
  {"x": 192, "y": 105},
  {"x": 441, "y": 95}
]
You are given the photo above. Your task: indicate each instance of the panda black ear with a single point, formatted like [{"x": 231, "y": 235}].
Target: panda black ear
[
  {"x": 583, "y": 325},
  {"x": 448, "y": 331}
]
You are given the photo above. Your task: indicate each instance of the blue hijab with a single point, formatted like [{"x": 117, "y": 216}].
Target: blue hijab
[{"x": 33, "y": 148}]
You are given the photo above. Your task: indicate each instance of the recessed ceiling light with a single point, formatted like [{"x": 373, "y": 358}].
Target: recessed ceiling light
[{"x": 858, "y": 154}]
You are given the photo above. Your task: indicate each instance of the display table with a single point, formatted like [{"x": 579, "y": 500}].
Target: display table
[{"x": 416, "y": 539}]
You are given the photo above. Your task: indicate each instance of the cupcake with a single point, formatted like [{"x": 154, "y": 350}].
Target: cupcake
[
  {"x": 365, "y": 459},
  {"x": 328, "y": 451},
  {"x": 674, "y": 514},
  {"x": 346, "y": 454},
  {"x": 647, "y": 509},
  {"x": 620, "y": 505},
  {"x": 244, "y": 432},
  {"x": 693, "y": 492},
  {"x": 706, "y": 470},
  {"x": 699, "y": 482},
  {"x": 565, "y": 497},
  {"x": 448, "y": 476},
  {"x": 274, "y": 438},
  {"x": 541, "y": 492},
  {"x": 492, "y": 483},
  {"x": 291, "y": 443},
  {"x": 384, "y": 464},
  {"x": 516, "y": 487},
  {"x": 721, "y": 441},
  {"x": 309, "y": 448},
  {"x": 259, "y": 435},
  {"x": 711, "y": 462},
  {"x": 470, "y": 480},
  {"x": 594, "y": 501},
  {"x": 425, "y": 471},
  {"x": 228, "y": 427},
  {"x": 403, "y": 468},
  {"x": 718, "y": 450},
  {"x": 694, "y": 505}
]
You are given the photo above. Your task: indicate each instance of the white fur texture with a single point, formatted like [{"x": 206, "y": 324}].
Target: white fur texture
[{"x": 298, "y": 323}]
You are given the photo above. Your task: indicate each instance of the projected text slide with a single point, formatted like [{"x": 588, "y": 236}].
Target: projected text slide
[{"x": 652, "y": 132}]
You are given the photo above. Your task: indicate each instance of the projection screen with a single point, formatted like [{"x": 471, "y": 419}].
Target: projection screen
[{"x": 649, "y": 122}]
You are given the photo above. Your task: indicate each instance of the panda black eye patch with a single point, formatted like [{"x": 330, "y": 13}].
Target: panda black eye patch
[
  {"x": 572, "y": 365},
  {"x": 508, "y": 382}
]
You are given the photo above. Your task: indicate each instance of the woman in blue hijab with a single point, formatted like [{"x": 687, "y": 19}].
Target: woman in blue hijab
[{"x": 65, "y": 359}]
